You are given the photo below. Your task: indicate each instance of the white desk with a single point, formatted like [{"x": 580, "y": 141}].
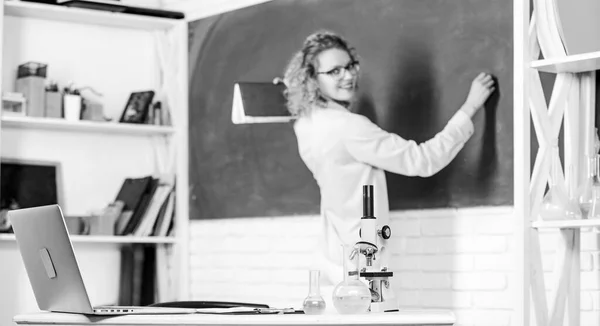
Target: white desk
[{"x": 404, "y": 317}]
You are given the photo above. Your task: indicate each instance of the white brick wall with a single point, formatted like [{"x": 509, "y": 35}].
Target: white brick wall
[
  {"x": 461, "y": 260},
  {"x": 254, "y": 259},
  {"x": 448, "y": 259}
]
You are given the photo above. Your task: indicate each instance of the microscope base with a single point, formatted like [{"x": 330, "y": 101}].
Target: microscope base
[{"x": 386, "y": 306}]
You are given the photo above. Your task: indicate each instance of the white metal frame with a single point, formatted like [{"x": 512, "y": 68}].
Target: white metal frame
[{"x": 572, "y": 102}]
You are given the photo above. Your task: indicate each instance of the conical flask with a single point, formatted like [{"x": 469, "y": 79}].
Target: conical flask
[
  {"x": 351, "y": 296},
  {"x": 573, "y": 212},
  {"x": 595, "y": 209},
  {"x": 314, "y": 304},
  {"x": 585, "y": 196},
  {"x": 556, "y": 204},
  {"x": 596, "y": 141}
]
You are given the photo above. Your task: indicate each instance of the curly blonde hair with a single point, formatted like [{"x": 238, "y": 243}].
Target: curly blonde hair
[{"x": 302, "y": 91}]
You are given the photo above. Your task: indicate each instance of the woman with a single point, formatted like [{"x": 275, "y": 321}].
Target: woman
[{"x": 345, "y": 150}]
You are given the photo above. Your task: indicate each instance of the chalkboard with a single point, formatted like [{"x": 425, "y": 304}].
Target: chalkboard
[{"x": 418, "y": 58}]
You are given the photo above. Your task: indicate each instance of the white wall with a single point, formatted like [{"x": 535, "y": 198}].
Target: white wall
[{"x": 195, "y": 9}]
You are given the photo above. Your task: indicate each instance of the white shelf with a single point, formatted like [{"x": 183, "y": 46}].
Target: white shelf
[
  {"x": 85, "y": 16},
  {"x": 574, "y": 63},
  {"x": 106, "y": 239},
  {"x": 566, "y": 224},
  {"x": 84, "y": 126}
]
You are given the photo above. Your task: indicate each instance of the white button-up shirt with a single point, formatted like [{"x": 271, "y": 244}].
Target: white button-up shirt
[{"x": 345, "y": 151}]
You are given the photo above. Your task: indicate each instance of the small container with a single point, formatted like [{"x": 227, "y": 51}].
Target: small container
[
  {"x": 92, "y": 111},
  {"x": 54, "y": 104},
  {"x": 31, "y": 79},
  {"x": 32, "y": 69},
  {"x": 54, "y": 101},
  {"x": 72, "y": 106},
  {"x": 13, "y": 104},
  {"x": 314, "y": 304}
]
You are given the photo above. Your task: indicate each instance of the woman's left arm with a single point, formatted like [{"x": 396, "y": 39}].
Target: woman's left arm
[{"x": 368, "y": 143}]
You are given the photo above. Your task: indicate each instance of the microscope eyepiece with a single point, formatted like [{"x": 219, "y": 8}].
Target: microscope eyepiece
[{"x": 368, "y": 201}]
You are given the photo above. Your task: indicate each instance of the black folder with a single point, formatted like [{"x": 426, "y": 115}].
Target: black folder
[
  {"x": 135, "y": 194},
  {"x": 259, "y": 103}
]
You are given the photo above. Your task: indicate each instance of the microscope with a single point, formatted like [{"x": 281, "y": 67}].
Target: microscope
[{"x": 377, "y": 275}]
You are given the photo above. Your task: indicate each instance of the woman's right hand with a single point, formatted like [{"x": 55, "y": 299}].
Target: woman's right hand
[{"x": 481, "y": 89}]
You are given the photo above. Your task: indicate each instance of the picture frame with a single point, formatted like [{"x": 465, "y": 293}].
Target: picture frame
[
  {"x": 14, "y": 105},
  {"x": 137, "y": 107}
]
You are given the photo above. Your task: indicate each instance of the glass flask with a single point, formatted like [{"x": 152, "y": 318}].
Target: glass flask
[
  {"x": 596, "y": 141},
  {"x": 584, "y": 192},
  {"x": 351, "y": 296},
  {"x": 556, "y": 204},
  {"x": 314, "y": 304},
  {"x": 595, "y": 209},
  {"x": 573, "y": 211}
]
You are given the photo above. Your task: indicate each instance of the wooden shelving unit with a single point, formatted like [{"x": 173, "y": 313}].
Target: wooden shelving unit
[
  {"x": 139, "y": 34},
  {"x": 85, "y": 16},
  {"x": 84, "y": 126}
]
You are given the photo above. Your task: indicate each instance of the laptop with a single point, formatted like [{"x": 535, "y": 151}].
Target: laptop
[{"x": 52, "y": 268}]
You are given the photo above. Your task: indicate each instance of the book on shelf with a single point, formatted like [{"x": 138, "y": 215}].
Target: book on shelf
[
  {"x": 171, "y": 229},
  {"x": 139, "y": 271},
  {"x": 165, "y": 216},
  {"x": 158, "y": 115},
  {"x": 163, "y": 278},
  {"x": 126, "y": 278},
  {"x": 119, "y": 7},
  {"x": 134, "y": 193},
  {"x": 147, "y": 290}
]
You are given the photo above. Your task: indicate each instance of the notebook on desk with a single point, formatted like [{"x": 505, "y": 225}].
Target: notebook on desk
[{"x": 52, "y": 268}]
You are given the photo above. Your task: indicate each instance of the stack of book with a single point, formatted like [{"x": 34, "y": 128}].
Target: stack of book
[{"x": 149, "y": 205}]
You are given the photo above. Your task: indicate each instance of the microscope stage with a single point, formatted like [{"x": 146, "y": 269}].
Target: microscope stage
[{"x": 376, "y": 274}]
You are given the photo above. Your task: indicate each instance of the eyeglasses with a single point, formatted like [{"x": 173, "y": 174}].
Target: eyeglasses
[{"x": 338, "y": 72}]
